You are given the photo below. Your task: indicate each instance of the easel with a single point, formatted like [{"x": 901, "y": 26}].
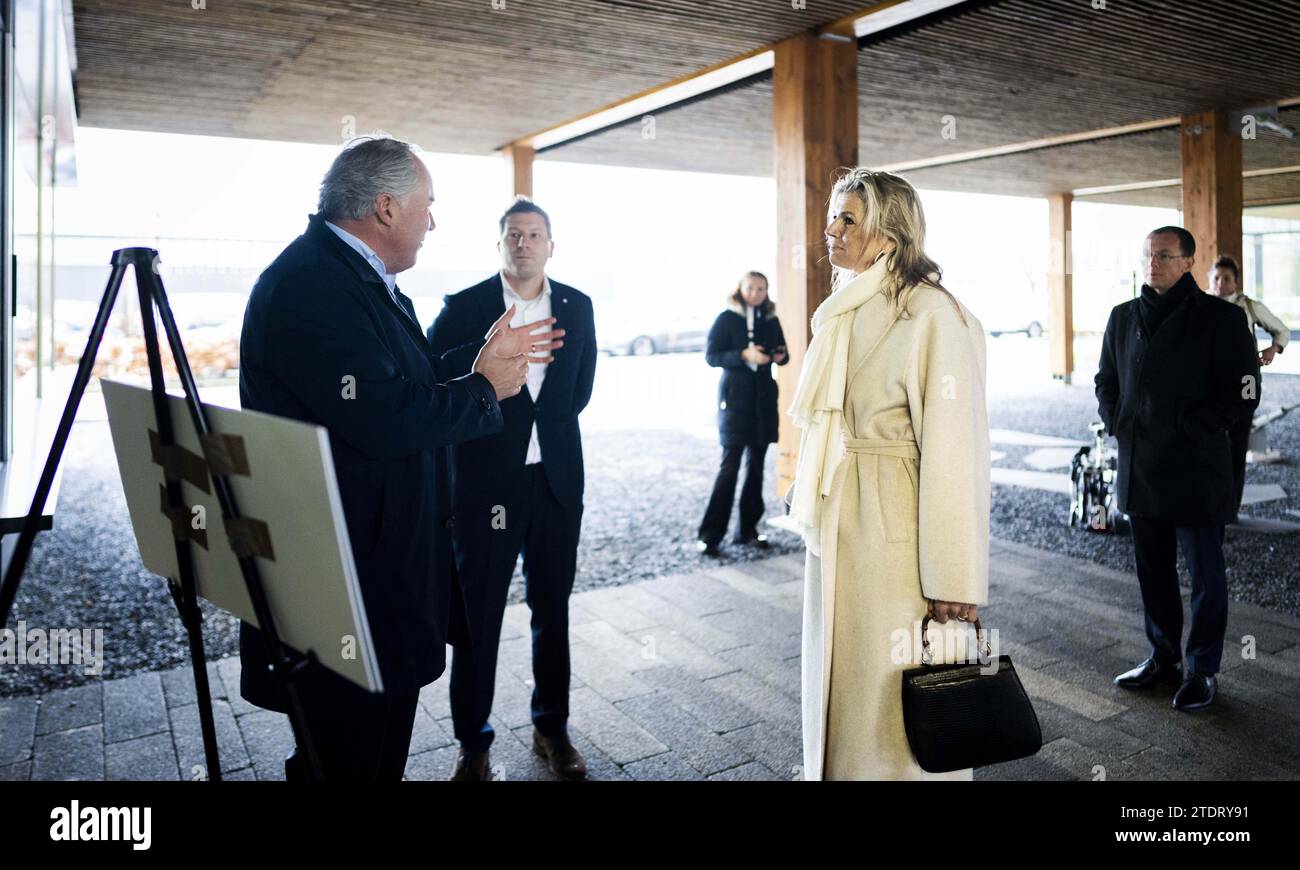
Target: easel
[{"x": 285, "y": 663}]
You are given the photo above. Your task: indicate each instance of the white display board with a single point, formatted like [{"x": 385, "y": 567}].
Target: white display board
[{"x": 311, "y": 583}]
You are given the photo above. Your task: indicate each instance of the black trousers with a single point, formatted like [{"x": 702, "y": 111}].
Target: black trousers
[
  {"x": 488, "y": 543},
  {"x": 1239, "y": 435},
  {"x": 718, "y": 514},
  {"x": 359, "y": 736},
  {"x": 1156, "y": 545}
]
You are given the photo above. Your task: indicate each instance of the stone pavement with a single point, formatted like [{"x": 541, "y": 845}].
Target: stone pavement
[{"x": 697, "y": 677}]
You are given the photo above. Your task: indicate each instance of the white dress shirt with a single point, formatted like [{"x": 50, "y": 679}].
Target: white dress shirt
[
  {"x": 368, "y": 254},
  {"x": 530, "y": 311}
]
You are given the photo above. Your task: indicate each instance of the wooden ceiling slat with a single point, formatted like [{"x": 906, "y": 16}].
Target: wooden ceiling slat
[
  {"x": 457, "y": 76},
  {"x": 1019, "y": 70},
  {"x": 477, "y": 76},
  {"x": 1008, "y": 80}
]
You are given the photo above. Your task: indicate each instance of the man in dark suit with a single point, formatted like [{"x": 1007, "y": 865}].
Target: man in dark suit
[
  {"x": 1178, "y": 369},
  {"x": 520, "y": 489},
  {"x": 329, "y": 339}
]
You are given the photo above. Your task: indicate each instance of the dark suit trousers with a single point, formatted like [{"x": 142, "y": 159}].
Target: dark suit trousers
[
  {"x": 359, "y": 736},
  {"x": 717, "y": 515},
  {"x": 1239, "y": 435},
  {"x": 547, "y": 533},
  {"x": 1156, "y": 545}
]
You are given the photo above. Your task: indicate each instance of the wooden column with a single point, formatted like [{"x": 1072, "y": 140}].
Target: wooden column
[
  {"x": 1212, "y": 195},
  {"x": 815, "y": 115},
  {"x": 1060, "y": 287},
  {"x": 520, "y": 158}
]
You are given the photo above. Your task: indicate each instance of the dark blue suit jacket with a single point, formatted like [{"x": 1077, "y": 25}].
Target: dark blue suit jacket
[
  {"x": 318, "y": 320},
  {"x": 489, "y": 470}
]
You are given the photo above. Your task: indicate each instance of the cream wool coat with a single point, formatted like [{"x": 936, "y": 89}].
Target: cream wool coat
[{"x": 906, "y": 519}]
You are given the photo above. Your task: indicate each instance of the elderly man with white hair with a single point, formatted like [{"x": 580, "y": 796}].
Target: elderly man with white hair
[{"x": 329, "y": 339}]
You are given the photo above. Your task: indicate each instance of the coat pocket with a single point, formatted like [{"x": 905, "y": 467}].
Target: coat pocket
[{"x": 896, "y": 495}]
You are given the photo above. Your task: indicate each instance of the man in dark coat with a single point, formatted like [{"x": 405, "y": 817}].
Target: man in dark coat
[
  {"x": 518, "y": 490},
  {"x": 330, "y": 340},
  {"x": 1178, "y": 369},
  {"x": 744, "y": 341}
]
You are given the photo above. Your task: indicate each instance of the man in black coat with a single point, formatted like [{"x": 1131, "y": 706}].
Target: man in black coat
[
  {"x": 330, "y": 340},
  {"x": 744, "y": 341},
  {"x": 518, "y": 490},
  {"x": 1178, "y": 369}
]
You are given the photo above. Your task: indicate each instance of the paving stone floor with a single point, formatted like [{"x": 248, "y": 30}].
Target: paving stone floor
[{"x": 697, "y": 677}]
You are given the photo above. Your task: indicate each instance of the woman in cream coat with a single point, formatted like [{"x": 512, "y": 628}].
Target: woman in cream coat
[{"x": 891, "y": 491}]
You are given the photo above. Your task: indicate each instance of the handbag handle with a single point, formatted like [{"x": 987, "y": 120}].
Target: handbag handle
[{"x": 927, "y": 654}]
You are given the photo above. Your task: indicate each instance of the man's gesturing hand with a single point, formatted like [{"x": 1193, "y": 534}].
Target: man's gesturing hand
[
  {"x": 514, "y": 340},
  {"x": 504, "y": 359}
]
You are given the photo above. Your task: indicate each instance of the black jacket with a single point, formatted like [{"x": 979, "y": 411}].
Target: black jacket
[
  {"x": 318, "y": 320},
  {"x": 747, "y": 412},
  {"x": 1169, "y": 395},
  {"x": 487, "y": 470}
]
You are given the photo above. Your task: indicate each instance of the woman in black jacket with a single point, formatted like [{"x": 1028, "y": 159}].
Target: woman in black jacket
[{"x": 744, "y": 342}]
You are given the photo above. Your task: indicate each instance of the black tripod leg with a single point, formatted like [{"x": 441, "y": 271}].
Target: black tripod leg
[
  {"x": 187, "y": 607},
  {"x": 282, "y": 669},
  {"x": 23, "y": 548},
  {"x": 198, "y": 660},
  {"x": 190, "y": 614}
]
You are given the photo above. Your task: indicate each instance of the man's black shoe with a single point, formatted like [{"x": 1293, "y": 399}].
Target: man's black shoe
[
  {"x": 1196, "y": 693},
  {"x": 753, "y": 540},
  {"x": 707, "y": 549},
  {"x": 472, "y": 767},
  {"x": 1149, "y": 673}
]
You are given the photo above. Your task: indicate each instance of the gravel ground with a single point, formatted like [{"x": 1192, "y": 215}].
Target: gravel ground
[
  {"x": 1263, "y": 568},
  {"x": 646, "y": 493}
]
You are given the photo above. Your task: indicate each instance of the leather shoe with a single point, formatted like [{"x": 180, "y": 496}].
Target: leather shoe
[
  {"x": 1149, "y": 673},
  {"x": 753, "y": 540},
  {"x": 562, "y": 757},
  {"x": 707, "y": 549},
  {"x": 1196, "y": 693},
  {"x": 472, "y": 767}
]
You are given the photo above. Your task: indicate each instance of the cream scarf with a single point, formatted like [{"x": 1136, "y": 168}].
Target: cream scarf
[{"x": 818, "y": 404}]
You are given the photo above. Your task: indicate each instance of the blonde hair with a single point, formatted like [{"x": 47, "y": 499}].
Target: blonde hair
[{"x": 893, "y": 210}]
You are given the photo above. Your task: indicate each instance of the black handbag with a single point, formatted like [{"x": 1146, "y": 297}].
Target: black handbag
[{"x": 956, "y": 716}]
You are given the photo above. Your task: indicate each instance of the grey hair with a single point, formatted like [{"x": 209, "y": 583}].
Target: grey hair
[{"x": 367, "y": 167}]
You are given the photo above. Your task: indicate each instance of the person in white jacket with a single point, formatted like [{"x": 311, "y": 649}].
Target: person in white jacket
[{"x": 1225, "y": 282}]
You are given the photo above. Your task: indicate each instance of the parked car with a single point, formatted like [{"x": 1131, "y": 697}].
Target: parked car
[
  {"x": 629, "y": 339},
  {"x": 1033, "y": 329},
  {"x": 1011, "y": 305}
]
